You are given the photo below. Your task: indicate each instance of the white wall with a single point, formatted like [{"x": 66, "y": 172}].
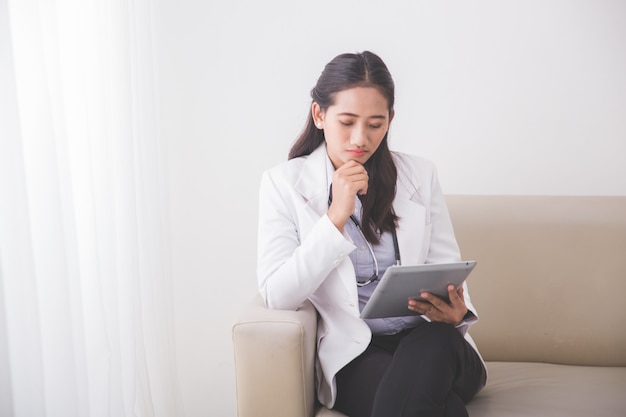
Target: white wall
[{"x": 507, "y": 97}]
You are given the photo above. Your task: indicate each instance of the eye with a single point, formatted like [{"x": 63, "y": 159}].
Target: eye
[
  {"x": 376, "y": 126},
  {"x": 344, "y": 123}
]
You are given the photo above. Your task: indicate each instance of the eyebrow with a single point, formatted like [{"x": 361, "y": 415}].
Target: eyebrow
[{"x": 356, "y": 115}]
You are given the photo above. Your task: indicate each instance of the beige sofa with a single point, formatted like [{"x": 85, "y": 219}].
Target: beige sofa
[{"x": 550, "y": 288}]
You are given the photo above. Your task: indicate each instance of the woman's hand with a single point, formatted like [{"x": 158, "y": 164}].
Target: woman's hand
[
  {"x": 437, "y": 309},
  {"x": 349, "y": 180}
]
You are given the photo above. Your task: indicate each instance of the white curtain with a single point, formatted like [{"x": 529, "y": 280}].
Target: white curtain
[{"x": 86, "y": 304}]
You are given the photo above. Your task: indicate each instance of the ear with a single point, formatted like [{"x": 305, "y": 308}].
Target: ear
[
  {"x": 318, "y": 115},
  {"x": 391, "y": 114}
]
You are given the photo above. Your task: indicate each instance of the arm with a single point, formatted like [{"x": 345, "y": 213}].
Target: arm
[
  {"x": 292, "y": 266},
  {"x": 444, "y": 248},
  {"x": 443, "y": 237}
]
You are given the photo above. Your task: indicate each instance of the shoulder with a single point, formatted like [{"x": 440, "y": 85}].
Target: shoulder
[
  {"x": 291, "y": 176},
  {"x": 288, "y": 171},
  {"x": 306, "y": 173},
  {"x": 412, "y": 165}
]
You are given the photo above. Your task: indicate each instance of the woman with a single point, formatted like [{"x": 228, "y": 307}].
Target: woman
[{"x": 332, "y": 219}]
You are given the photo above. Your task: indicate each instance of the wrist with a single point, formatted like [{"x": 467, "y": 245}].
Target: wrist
[
  {"x": 337, "y": 219},
  {"x": 468, "y": 315}
]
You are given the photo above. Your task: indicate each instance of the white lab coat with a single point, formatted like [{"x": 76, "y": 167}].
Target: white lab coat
[{"x": 301, "y": 254}]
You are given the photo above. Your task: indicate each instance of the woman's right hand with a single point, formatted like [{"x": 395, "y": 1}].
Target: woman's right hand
[{"x": 349, "y": 180}]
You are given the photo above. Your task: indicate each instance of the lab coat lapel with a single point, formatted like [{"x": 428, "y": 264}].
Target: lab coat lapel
[
  {"x": 313, "y": 184},
  {"x": 412, "y": 227}
]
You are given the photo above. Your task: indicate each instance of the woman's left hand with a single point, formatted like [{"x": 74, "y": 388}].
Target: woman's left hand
[{"x": 437, "y": 309}]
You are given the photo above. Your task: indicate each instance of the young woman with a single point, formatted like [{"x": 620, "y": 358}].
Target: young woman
[{"x": 332, "y": 219}]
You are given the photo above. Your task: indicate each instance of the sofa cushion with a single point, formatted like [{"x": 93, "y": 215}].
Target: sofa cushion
[{"x": 547, "y": 390}]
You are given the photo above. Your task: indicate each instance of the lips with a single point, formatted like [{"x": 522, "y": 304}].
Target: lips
[{"x": 356, "y": 152}]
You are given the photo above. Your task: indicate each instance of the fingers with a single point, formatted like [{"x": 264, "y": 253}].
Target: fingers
[
  {"x": 455, "y": 295},
  {"x": 437, "y": 309},
  {"x": 351, "y": 178},
  {"x": 348, "y": 180},
  {"x": 422, "y": 307}
]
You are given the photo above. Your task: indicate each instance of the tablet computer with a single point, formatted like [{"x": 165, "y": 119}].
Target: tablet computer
[{"x": 401, "y": 283}]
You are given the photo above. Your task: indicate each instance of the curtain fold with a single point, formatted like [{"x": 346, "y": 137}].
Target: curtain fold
[{"x": 86, "y": 321}]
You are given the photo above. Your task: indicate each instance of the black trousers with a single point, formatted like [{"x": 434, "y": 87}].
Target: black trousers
[{"x": 427, "y": 371}]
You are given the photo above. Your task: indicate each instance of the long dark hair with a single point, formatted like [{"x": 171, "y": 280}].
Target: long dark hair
[{"x": 346, "y": 71}]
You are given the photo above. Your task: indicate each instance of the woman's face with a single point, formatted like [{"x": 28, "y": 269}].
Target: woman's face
[{"x": 354, "y": 125}]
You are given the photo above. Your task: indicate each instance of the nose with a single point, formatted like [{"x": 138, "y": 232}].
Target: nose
[{"x": 359, "y": 137}]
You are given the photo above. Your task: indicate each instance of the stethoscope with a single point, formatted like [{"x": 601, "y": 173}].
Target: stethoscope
[{"x": 394, "y": 235}]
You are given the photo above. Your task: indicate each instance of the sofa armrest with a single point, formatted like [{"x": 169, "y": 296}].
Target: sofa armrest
[{"x": 274, "y": 359}]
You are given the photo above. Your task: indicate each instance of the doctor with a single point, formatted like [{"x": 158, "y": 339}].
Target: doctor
[{"x": 332, "y": 219}]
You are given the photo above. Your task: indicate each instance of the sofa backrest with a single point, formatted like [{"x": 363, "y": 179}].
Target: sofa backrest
[{"x": 550, "y": 284}]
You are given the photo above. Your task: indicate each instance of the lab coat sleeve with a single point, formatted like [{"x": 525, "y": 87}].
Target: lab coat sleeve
[
  {"x": 443, "y": 244},
  {"x": 290, "y": 266}
]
